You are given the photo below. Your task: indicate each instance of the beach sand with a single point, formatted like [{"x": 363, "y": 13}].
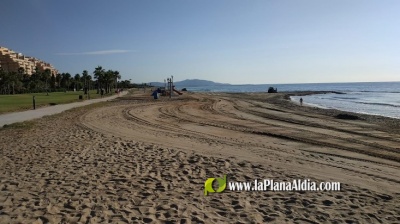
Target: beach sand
[{"x": 138, "y": 160}]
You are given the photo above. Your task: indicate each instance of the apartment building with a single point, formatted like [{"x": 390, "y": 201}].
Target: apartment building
[{"x": 12, "y": 61}]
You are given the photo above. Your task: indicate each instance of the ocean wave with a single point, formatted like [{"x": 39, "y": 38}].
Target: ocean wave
[
  {"x": 347, "y": 98},
  {"x": 338, "y": 99},
  {"x": 379, "y": 91},
  {"x": 377, "y": 104},
  {"x": 360, "y": 102}
]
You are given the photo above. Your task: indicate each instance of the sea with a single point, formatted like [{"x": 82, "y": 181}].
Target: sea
[{"x": 376, "y": 98}]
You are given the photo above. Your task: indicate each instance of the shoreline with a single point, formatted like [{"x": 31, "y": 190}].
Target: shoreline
[
  {"x": 289, "y": 95},
  {"x": 282, "y": 97},
  {"x": 393, "y": 121}
]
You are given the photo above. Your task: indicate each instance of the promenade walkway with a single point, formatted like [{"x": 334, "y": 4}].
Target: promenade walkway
[{"x": 10, "y": 118}]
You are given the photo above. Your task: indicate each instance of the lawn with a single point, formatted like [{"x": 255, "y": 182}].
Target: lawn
[{"x": 19, "y": 102}]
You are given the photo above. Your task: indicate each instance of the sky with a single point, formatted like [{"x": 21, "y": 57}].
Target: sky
[{"x": 228, "y": 41}]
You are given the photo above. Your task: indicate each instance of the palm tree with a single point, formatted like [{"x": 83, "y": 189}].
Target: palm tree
[
  {"x": 77, "y": 79},
  {"x": 53, "y": 82},
  {"x": 13, "y": 80},
  {"x": 35, "y": 80},
  {"x": 4, "y": 81},
  {"x": 85, "y": 75},
  {"x": 109, "y": 80},
  {"x": 21, "y": 78},
  {"x": 90, "y": 81},
  {"x": 99, "y": 73},
  {"x": 26, "y": 80},
  {"x": 117, "y": 77},
  {"x": 66, "y": 80},
  {"x": 46, "y": 76},
  {"x": 58, "y": 80}
]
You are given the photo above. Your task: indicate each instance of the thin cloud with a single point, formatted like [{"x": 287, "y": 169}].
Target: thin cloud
[{"x": 97, "y": 52}]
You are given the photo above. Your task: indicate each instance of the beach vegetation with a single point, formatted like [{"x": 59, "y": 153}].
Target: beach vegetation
[
  {"x": 18, "y": 88},
  {"x": 19, "y": 82}
]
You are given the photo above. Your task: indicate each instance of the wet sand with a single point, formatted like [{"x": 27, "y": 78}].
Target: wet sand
[{"x": 137, "y": 160}]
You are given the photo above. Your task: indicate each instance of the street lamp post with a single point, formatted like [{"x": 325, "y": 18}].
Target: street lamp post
[
  {"x": 169, "y": 85},
  {"x": 172, "y": 87}
]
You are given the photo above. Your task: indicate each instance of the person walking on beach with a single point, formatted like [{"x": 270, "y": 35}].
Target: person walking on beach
[{"x": 301, "y": 101}]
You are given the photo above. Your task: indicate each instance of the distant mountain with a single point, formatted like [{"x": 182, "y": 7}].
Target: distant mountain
[{"x": 191, "y": 83}]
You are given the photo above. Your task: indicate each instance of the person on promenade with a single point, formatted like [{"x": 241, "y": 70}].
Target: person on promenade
[{"x": 301, "y": 101}]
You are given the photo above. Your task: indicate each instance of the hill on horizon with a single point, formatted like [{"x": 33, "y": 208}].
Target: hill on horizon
[{"x": 191, "y": 83}]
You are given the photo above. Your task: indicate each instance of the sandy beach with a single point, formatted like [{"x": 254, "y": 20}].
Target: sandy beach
[{"x": 139, "y": 160}]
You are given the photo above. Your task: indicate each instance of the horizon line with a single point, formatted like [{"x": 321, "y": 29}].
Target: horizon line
[{"x": 280, "y": 83}]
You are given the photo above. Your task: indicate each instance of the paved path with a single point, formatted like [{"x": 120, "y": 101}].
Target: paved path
[{"x": 38, "y": 113}]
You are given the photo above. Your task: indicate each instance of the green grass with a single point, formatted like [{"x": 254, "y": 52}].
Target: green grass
[
  {"x": 20, "y": 102},
  {"x": 26, "y": 125}
]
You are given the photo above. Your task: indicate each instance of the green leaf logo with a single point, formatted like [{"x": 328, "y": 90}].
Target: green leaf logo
[{"x": 208, "y": 188}]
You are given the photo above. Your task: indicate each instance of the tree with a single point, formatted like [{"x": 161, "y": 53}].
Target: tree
[
  {"x": 99, "y": 74},
  {"x": 90, "y": 82},
  {"x": 46, "y": 76},
  {"x": 53, "y": 81},
  {"x": 125, "y": 84},
  {"x": 117, "y": 77},
  {"x": 85, "y": 81},
  {"x": 9, "y": 81},
  {"x": 66, "y": 80},
  {"x": 109, "y": 80},
  {"x": 4, "y": 81},
  {"x": 35, "y": 80},
  {"x": 58, "y": 80},
  {"x": 19, "y": 81},
  {"x": 77, "y": 79},
  {"x": 21, "y": 71},
  {"x": 12, "y": 81},
  {"x": 26, "y": 80}
]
